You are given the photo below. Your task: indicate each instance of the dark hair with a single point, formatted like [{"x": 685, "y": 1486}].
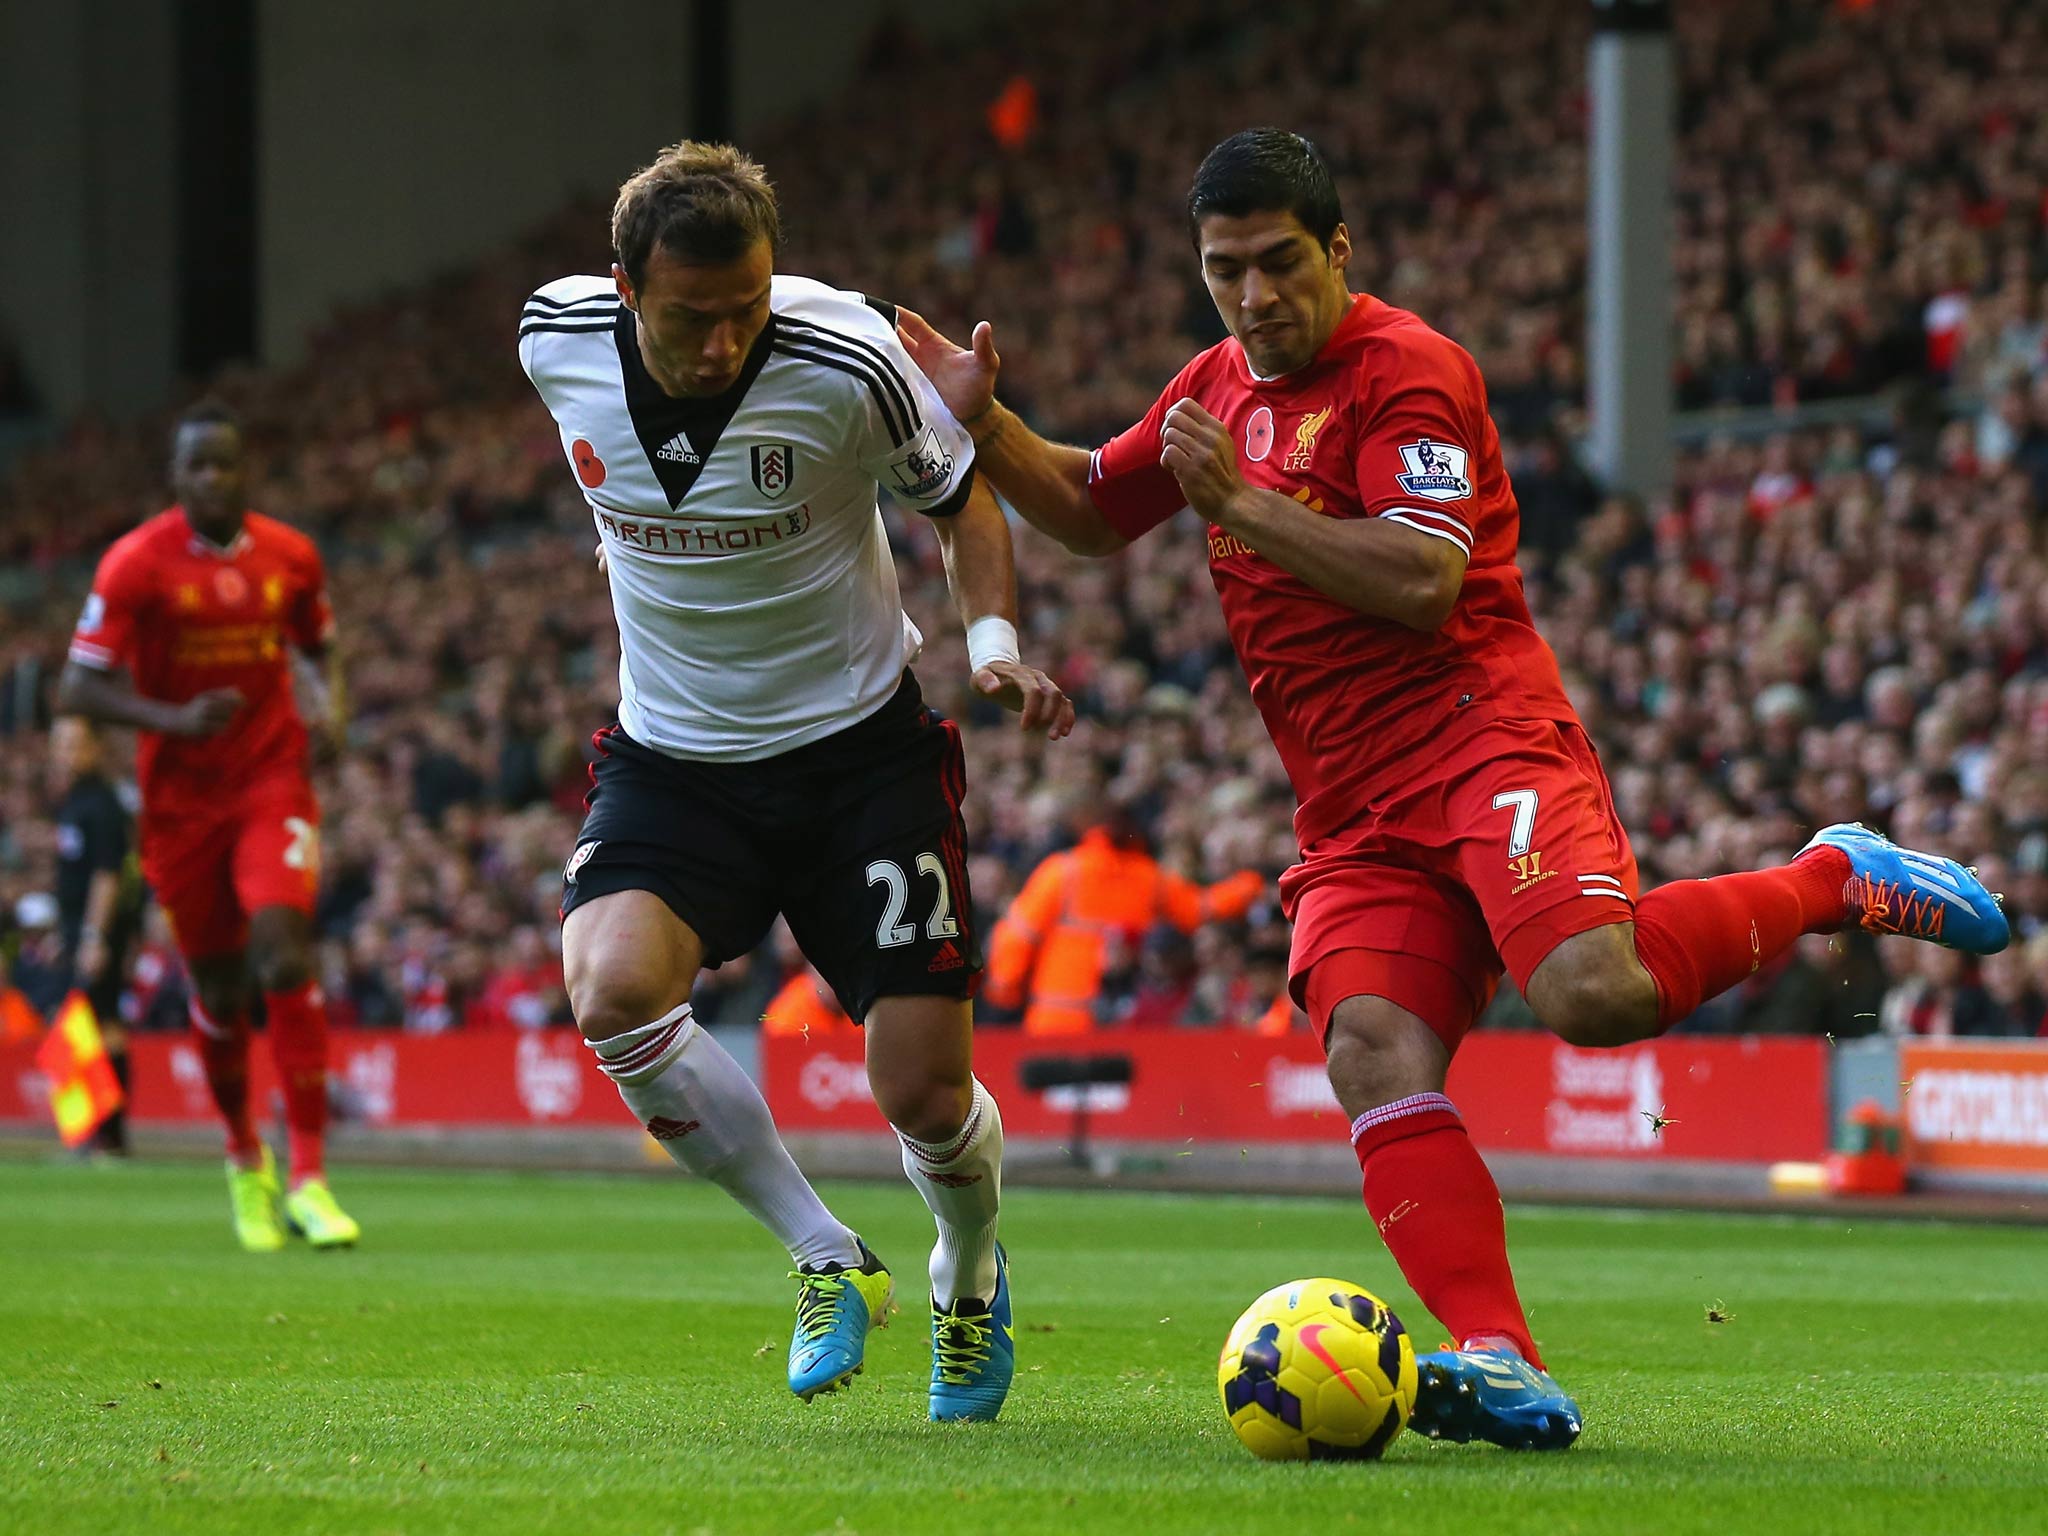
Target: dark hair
[
  {"x": 701, "y": 202},
  {"x": 209, "y": 412},
  {"x": 1266, "y": 170}
]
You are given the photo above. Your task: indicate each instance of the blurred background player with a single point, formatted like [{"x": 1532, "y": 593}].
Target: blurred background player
[
  {"x": 99, "y": 895},
  {"x": 189, "y": 635},
  {"x": 1454, "y": 820},
  {"x": 773, "y": 755},
  {"x": 1087, "y": 907}
]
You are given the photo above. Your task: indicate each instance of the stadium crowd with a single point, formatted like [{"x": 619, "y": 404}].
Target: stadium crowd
[{"x": 1825, "y": 624}]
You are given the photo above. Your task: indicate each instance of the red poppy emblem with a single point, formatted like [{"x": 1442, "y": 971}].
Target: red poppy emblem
[
  {"x": 1258, "y": 435},
  {"x": 590, "y": 468}
]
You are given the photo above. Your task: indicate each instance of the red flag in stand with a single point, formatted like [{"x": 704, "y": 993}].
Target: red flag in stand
[{"x": 1013, "y": 115}]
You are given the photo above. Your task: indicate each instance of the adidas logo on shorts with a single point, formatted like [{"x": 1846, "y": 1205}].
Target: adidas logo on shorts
[
  {"x": 662, "y": 1128},
  {"x": 948, "y": 958},
  {"x": 677, "y": 450}
]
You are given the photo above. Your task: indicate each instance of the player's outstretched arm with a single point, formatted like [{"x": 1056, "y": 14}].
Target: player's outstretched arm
[
  {"x": 1380, "y": 568},
  {"x": 982, "y": 573},
  {"x": 110, "y": 697},
  {"x": 1046, "y": 482}
]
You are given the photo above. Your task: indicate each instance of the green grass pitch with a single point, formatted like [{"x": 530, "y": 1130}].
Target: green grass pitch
[{"x": 518, "y": 1354}]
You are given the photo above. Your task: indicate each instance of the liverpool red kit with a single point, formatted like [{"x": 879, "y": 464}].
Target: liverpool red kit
[
  {"x": 229, "y": 824},
  {"x": 1453, "y": 815}
]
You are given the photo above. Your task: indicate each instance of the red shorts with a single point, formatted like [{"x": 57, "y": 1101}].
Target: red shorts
[
  {"x": 211, "y": 869},
  {"x": 1485, "y": 861}
]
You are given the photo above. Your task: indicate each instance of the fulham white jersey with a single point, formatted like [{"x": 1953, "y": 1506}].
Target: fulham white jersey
[{"x": 757, "y": 603}]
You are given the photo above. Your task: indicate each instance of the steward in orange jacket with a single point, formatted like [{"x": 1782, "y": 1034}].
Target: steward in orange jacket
[
  {"x": 805, "y": 1006},
  {"x": 1048, "y": 953}
]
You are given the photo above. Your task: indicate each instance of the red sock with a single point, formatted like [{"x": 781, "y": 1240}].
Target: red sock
[
  {"x": 298, "y": 1044},
  {"x": 224, "y": 1051},
  {"x": 1439, "y": 1211},
  {"x": 1698, "y": 938}
]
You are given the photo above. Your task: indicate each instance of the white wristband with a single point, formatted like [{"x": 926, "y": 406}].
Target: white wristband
[{"x": 991, "y": 638}]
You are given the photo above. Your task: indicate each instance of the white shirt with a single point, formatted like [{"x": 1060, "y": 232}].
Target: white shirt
[{"x": 756, "y": 599}]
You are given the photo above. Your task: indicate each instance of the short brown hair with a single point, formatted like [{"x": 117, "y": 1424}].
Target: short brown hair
[{"x": 704, "y": 203}]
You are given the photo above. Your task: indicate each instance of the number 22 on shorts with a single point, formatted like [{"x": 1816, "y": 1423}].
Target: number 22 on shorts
[{"x": 892, "y": 932}]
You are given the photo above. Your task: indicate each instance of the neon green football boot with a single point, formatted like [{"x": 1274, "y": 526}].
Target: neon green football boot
[
  {"x": 252, "y": 1196},
  {"x": 311, "y": 1210}
]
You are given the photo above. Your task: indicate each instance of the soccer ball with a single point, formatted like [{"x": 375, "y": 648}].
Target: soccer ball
[{"x": 1317, "y": 1370}]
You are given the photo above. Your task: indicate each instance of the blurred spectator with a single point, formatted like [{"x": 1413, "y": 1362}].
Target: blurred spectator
[
  {"x": 1081, "y": 917},
  {"x": 525, "y": 988},
  {"x": 39, "y": 969},
  {"x": 806, "y": 1006}
]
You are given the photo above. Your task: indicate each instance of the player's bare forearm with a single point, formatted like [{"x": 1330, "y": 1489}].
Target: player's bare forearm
[
  {"x": 110, "y": 698},
  {"x": 981, "y": 571},
  {"x": 1379, "y": 568},
  {"x": 1046, "y": 482},
  {"x": 980, "y": 564}
]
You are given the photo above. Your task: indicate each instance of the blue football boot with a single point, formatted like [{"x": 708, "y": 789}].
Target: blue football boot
[
  {"x": 1921, "y": 895},
  {"x": 974, "y": 1353},
  {"x": 836, "y": 1305},
  {"x": 1491, "y": 1394}
]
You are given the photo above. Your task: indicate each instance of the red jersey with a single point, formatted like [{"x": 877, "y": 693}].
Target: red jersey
[
  {"x": 1388, "y": 420},
  {"x": 183, "y": 616}
]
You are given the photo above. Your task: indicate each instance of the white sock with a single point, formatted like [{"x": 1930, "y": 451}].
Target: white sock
[
  {"x": 961, "y": 1179},
  {"x": 706, "y": 1112}
]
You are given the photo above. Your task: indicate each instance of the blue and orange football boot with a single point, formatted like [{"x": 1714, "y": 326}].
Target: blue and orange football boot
[
  {"x": 836, "y": 1305},
  {"x": 974, "y": 1353},
  {"x": 1494, "y": 1395},
  {"x": 1921, "y": 895}
]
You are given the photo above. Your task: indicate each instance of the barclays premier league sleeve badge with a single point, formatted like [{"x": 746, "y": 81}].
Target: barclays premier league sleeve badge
[
  {"x": 1436, "y": 471},
  {"x": 924, "y": 470}
]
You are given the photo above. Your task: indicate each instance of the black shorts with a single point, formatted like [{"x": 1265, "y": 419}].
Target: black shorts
[{"x": 855, "y": 839}]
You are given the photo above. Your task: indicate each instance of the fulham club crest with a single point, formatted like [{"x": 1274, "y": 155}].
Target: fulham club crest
[{"x": 774, "y": 468}]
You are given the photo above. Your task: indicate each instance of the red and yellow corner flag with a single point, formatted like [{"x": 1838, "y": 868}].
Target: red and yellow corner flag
[{"x": 83, "y": 1090}]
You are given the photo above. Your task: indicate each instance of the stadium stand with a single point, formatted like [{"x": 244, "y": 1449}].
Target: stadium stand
[{"x": 1828, "y": 623}]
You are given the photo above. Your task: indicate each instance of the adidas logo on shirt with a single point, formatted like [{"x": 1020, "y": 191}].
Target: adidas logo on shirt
[{"x": 677, "y": 450}]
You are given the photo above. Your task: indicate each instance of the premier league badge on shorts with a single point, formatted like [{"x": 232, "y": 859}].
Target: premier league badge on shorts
[
  {"x": 774, "y": 468},
  {"x": 1436, "y": 471}
]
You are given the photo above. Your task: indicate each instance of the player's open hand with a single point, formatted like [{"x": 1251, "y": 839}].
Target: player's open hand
[
  {"x": 1197, "y": 448},
  {"x": 1035, "y": 698},
  {"x": 965, "y": 377},
  {"x": 208, "y": 713},
  {"x": 604, "y": 564}
]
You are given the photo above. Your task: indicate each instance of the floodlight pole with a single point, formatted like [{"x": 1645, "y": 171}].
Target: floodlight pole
[{"x": 1631, "y": 78}]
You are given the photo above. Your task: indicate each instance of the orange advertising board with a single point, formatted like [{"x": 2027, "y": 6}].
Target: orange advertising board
[{"x": 1976, "y": 1106}]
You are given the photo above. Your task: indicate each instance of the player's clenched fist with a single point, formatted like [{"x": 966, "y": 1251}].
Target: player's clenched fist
[
  {"x": 1196, "y": 447},
  {"x": 208, "y": 713},
  {"x": 1035, "y": 698}
]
